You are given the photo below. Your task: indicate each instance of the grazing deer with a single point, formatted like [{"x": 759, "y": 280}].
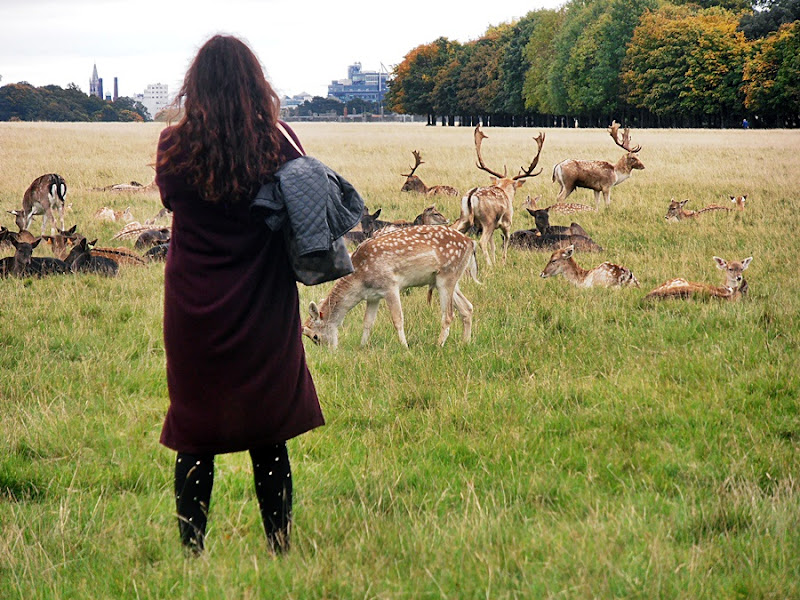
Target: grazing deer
[
  {"x": 81, "y": 259},
  {"x": 598, "y": 175},
  {"x": 604, "y": 275},
  {"x": 735, "y": 286},
  {"x": 43, "y": 195},
  {"x": 492, "y": 207},
  {"x": 676, "y": 211},
  {"x": 414, "y": 183},
  {"x": 423, "y": 255},
  {"x": 568, "y": 208}
]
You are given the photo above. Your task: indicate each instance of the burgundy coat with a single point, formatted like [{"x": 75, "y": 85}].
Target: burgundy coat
[{"x": 236, "y": 368}]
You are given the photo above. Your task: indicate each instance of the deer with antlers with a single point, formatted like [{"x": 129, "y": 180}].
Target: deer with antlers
[
  {"x": 414, "y": 183},
  {"x": 598, "y": 175},
  {"x": 423, "y": 255},
  {"x": 735, "y": 287},
  {"x": 492, "y": 207}
]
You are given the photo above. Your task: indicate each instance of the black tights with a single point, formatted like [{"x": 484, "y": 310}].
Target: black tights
[{"x": 194, "y": 479}]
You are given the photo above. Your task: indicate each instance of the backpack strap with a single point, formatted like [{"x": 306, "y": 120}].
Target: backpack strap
[{"x": 285, "y": 133}]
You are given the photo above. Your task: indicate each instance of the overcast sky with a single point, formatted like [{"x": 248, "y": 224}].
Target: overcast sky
[{"x": 303, "y": 44}]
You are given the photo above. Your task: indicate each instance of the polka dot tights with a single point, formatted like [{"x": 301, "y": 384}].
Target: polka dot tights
[{"x": 194, "y": 480}]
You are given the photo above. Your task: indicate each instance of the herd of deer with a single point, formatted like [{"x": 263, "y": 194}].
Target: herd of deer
[
  {"x": 72, "y": 252},
  {"x": 392, "y": 256}
]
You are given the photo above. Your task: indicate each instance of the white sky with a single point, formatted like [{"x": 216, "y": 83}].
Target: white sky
[{"x": 303, "y": 44}]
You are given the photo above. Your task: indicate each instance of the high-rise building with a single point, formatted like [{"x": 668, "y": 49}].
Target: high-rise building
[
  {"x": 155, "y": 98},
  {"x": 367, "y": 85}
]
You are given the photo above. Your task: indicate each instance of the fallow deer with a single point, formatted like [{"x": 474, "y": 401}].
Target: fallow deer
[
  {"x": 541, "y": 217},
  {"x": 492, "y": 207},
  {"x": 528, "y": 239},
  {"x": 598, "y": 175},
  {"x": 739, "y": 201},
  {"x": 80, "y": 259},
  {"x": 24, "y": 264},
  {"x": 676, "y": 211},
  {"x": 423, "y": 255},
  {"x": 109, "y": 214},
  {"x": 45, "y": 193},
  {"x": 604, "y": 275},
  {"x": 370, "y": 225},
  {"x": 414, "y": 183},
  {"x": 568, "y": 208},
  {"x": 735, "y": 286}
]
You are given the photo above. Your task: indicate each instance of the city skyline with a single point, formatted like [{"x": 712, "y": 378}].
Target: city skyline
[{"x": 155, "y": 42}]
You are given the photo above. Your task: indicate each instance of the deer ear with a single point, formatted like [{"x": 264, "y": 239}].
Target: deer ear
[
  {"x": 36, "y": 242},
  {"x": 376, "y": 214},
  {"x": 569, "y": 251},
  {"x": 72, "y": 229},
  {"x": 721, "y": 262},
  {"x": 313, "y": 310},
  {"x": 746, "y": 263},
  {"x": 684, "y": 202}
]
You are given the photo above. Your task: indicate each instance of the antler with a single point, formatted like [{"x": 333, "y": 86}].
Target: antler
[
  {"x": 527, "y": 172},
  {"x": 626, "y": 137},
  {"x": 417, "y": 162},
  {"x": 479, "y": 135}
]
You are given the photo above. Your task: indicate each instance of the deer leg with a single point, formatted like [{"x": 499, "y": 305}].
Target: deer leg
[
  {"x": 464, "y": 308},
  {"x": 446, "y": 302},
  {"x": 369, "y": 319},
  {"x": 504, "y": 233},
  {"x": 607, "y": 195},
  {"x": 486, "y": 238},
  {"x": 396, "y": 310}
]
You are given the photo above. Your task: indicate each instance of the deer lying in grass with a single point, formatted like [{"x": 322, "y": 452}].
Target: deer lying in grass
[
  {"x": 81, "y": 260},
  {"x": 738, "y": 201},
  {"x": 735, "y": 286},
  {"x": 604, "y": 275},
  {"x": 541, "y": 217},
  {"x": 528, "y": 239},
  {"x": 21, "y": 236},
  {"x": 370, "y": 225},
  {"x": 24, "y": 264},
  {"x": 415, "y": 184},
  {"x": 109, "y": 214},
  {"x": 676, "y": 211},
  {"x": 63, "y": 242},
  {"x": 423, "y": 255},
  {"x": 598, "y": 175},
  {"x": 45, "y": 193},
  {"x": 568, "y": 208},
  {"x": 490, "y": 208}
]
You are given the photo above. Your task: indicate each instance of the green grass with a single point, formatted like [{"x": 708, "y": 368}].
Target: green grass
[{"x": 585, "y": 444}]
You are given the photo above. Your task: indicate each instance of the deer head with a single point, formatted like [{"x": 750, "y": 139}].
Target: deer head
[
  {"x": 503, "y": 180},
  {"x": 631, "y": 159},
  {"x": 733, "y": 271}
]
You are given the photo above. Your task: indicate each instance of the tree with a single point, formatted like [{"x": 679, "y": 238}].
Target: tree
[
  {"x": 540, "y": 54},
  {"x": 768, "y": 16},
  {"x": 772, "y": 76}
]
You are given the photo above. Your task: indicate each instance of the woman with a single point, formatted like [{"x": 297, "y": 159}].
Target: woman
[{"x": 236, "y": 369}]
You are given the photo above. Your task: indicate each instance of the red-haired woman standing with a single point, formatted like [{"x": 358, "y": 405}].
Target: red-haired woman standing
[{"x": 236, "y": 369}]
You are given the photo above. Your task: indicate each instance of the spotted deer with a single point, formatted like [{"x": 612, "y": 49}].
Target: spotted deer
[
  {"x": 739, "y": 201},
  {"x": 490, "y": 208},
  {"x": 676, "y": 211},
  {"x": 45, "y": 193},
  {"x": 735, "y": 287},
  {"x": 109, "y": 214},
  {"x": 422, "y": 255},
  {"x": 568, "y": 208},
  {"x": 604, "y": 275},
  {"x": 414, "y": 183},
  {"x": 598, "y": 175}
]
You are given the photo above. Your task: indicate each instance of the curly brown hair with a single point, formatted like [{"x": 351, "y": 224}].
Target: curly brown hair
[{"x": 227, "y": 140}]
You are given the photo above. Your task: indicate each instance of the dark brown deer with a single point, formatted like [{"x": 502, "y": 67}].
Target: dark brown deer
[
  {"x": 735, "y": 287},
  {"x": 414, "y": 183},
  {"x": 81, "y": 260},
  {"x": 541, "y": 217},
  {"x": 676, "y": 211},
  {"x": 424, "y": 255},
  {"x": 491, "y": 208},
  {"x": 528, "y": 239},
  {"x": 24, "y": 264},
  {"x": 598, "y": 175},
  {"x": 603, "y": 275},
  {"x": 45, "y": 193}
]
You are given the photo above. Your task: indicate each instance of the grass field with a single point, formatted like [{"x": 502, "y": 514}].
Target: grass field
[{"x": 585, "y": 444}]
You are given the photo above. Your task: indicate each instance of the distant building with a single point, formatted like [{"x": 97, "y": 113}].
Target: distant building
[
  {"x": 155, "y": 98},
  {"x": 95, "y": 84},
  {"x": 370, "y": 86},
  {"x": 296, "y": 100}
]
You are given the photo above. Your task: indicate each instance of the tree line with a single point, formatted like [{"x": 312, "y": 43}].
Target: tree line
[
  {"x": 651, "y": 63},
  {"x": 24, "y": 102}
]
